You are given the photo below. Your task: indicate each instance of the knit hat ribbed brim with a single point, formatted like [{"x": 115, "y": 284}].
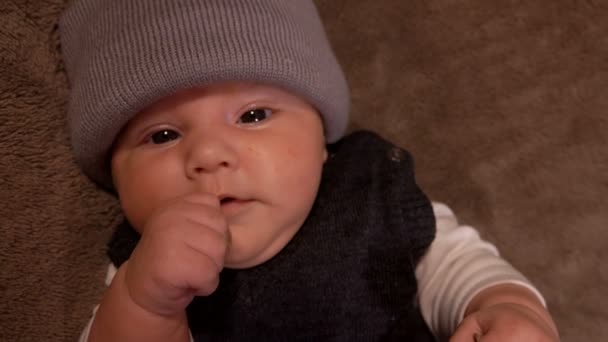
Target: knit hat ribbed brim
[{"x": 122, "y": 56}]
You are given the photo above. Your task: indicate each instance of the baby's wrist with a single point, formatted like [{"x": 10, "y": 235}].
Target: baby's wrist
[
  {"x": 501, "y": 294},
  {"x": 138, "y": 300},
  {"x": 120, "y": 318}
]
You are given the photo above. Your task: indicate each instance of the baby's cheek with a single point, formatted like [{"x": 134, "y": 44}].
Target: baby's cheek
[
  {"x": 294, "y": 161},
  {"x": 134, "y": 212},
  {"x": 291, "y": 169},
  {"x": 146, "y": 190},
  {"x": 291, "y": 153}
]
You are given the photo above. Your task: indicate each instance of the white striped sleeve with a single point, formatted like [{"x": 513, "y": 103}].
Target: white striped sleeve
[{"x": 457, "y": 266}]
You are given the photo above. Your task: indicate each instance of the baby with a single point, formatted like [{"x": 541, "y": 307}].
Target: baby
[{"x": 219, "y": 124}]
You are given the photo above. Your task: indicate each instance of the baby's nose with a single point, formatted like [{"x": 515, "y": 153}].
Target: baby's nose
[{"x": 210, "y": 155}]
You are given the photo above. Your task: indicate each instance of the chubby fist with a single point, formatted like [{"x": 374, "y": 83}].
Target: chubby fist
[
  {"x": 505, "y": 322},
  {"x": 180, "y": 255},
  {"x": 506, "y": 313}
]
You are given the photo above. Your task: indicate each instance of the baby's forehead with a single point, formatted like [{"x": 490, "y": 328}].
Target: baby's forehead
[{"x": 236, "y": 91}]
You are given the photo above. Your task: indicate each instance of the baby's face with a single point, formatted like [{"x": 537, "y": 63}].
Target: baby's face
[{"x": 257, "y": 144}]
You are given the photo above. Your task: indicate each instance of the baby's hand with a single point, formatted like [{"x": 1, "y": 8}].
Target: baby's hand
[
  {"x": 505, "y": 314},
  {"x": 180, "y": 255},
  {"x": 502, "y": 323}
]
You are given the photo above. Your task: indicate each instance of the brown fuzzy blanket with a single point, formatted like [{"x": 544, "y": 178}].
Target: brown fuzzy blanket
[{"x": 503, "y": 103}]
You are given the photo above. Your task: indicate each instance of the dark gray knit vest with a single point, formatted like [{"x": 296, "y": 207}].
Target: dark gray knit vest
[{"x": 347, "y": 275}]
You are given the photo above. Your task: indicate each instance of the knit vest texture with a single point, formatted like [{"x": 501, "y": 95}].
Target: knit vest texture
[{"x": 349, "y": 272}]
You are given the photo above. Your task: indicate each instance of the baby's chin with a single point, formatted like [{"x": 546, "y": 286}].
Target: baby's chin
[
  {"x": 240, "y": 263},
  {"x": 243, "y": 261},
  {"x": 244, "y": 254}
]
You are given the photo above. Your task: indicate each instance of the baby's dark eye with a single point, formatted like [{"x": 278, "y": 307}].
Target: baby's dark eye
[
  {"x": 255, "y": 115},
  {"x": 164, "y": 136}
]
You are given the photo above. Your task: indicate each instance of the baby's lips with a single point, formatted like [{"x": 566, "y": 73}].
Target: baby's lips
[{"x": 223, "y": 197}]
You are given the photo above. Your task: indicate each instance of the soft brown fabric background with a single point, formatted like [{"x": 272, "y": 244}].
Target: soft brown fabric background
[{"x": 503, "y": 103}]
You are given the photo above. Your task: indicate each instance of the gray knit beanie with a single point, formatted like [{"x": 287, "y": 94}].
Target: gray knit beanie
[{"x": 123, "y": 55}]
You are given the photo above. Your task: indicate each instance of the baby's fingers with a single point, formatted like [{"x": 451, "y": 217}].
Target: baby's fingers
[
  {"x": 468, "y": 331},
  {"x": 506, "y": 336},
  {"x": 504, "y": 323},
  {"x": 200, "y": 274}
]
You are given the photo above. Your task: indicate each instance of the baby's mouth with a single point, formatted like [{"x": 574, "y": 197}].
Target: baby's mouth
[
  {"x": 226, "y": 200},
  {"x": 233, "y": 200},
  {"x": 233, "y": 205}
]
